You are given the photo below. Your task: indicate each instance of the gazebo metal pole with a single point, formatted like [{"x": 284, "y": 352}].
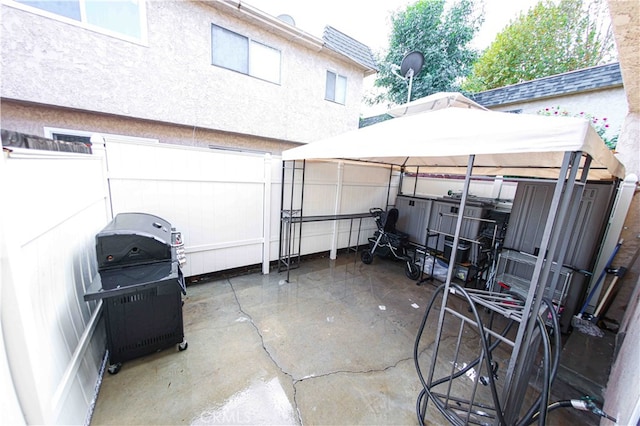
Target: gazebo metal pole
[
  {"x": 516, "y": 381},
  {"x": 304, "y": 169},
  {"x": 571, "y": 218},
  {"x": 454, "y": 249}
]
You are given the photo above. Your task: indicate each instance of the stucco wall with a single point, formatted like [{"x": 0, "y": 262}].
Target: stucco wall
[
  {"x": 31, "y": 119},
  {"x": 623, "y": 393},
  {"x": 171, "y": 79},
  {"x": 609, "y": 103}
]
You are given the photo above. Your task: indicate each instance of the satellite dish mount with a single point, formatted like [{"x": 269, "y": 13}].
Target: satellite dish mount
[{"x": 411, "y": 66}]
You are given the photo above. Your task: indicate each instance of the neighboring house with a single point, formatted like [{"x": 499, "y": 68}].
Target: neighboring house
[
  {"x": 186, "y": 72},
  {"x": 596, "y": 91}
]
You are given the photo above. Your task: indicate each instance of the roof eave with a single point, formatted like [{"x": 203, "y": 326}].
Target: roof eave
[
  {"x": 268, "y": 22},
  {"x": 367, "y": 70},
  {"x": 262, "y": 19}
]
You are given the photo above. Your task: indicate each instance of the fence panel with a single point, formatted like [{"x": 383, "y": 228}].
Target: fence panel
[{"x": 53, "y": 205}]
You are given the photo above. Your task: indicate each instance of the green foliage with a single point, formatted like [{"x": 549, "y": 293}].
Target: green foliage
[
  {"x": 549, "y": 39},
  {"x": 441, "y": 34},
  {"x": 600, "y": 125}
]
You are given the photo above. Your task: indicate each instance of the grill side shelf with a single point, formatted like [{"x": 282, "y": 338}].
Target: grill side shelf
[{"x": 97, "y": 292}]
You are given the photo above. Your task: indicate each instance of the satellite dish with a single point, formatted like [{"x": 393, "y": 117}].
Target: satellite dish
[
  {"x": 411, "y": 65},
  {"x": 287, "y": 19}
]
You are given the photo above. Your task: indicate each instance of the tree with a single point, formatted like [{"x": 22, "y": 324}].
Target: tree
[
  {"x": 549, "y": 39},
  {"x": 441, "y": 35}
]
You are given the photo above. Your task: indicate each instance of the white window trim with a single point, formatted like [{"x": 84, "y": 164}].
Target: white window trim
[{"x": 143, "y": 40}]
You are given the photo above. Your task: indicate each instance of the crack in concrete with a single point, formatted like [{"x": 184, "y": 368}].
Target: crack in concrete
[
  {"x": 373, "y": 370},
  {"x": 295, "y": 381},
  {"x": 264, "y": 347}
]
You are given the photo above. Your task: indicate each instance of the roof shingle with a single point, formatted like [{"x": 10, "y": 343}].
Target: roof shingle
[
  {"x": 582, "y": 80},
  {"x": 345, "y": 45}
]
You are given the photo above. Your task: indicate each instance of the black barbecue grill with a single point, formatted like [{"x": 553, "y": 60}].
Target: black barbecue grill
[{"x": 140, "y": 282}]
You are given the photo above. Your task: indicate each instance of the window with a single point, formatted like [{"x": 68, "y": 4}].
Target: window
[
  {"x": 336, "y": 90},
  {"x": 67, "y": 134},
  {"x": 121, "y": 17},
  {"x": 72, "y": 136},
  {"x": 239, "y": 53}
]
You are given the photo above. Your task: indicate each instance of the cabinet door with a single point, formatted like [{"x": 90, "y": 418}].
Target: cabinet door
[
  {"x": 529, "y": 214},
  {"x": 444, "y": 217},
  {"x": 440, "y": 220},
  {"x": 413, "y": 217}
]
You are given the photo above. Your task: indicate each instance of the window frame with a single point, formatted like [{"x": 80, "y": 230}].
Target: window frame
[
  {"x": 50, "y": 131},
  {"x": 82, "y": 23},
  {"x": 337, "y": 77},
  {"x": 251, "y": 44}
]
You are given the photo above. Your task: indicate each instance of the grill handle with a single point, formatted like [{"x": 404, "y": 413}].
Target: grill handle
[{"x": 181, "y": 282}]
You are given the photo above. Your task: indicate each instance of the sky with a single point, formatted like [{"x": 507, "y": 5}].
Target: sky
[{"x": 368, "y": 21}]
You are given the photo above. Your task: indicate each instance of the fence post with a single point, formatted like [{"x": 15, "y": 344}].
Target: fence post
[
  {"x": 266, "y": 221},
  {"x": 336, "y": 210}
]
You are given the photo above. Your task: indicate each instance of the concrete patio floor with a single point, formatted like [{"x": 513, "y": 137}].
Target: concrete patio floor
[{"x": 333, "y": 346}]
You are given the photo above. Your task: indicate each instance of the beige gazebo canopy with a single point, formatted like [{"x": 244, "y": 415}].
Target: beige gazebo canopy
[{"x": 440, "y": 132}]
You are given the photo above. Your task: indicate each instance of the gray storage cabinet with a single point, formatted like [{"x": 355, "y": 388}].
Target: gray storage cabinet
[
  {"x": 443, "y": 220},
  {"x": 438, "y": 217},
  {"x": 526, "y": 225},
  {"x": 413, "y": 217}
]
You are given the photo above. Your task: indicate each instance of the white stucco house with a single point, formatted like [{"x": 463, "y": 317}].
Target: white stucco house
[{"x": 166, "y": 73}]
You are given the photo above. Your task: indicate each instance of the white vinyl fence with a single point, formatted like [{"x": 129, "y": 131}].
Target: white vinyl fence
[
  {"x": 226, "y": 204},
  {"x": 52, "y": 206},
  {"x": 217, "y": 199},
  {"x": 338, "y": 188}
]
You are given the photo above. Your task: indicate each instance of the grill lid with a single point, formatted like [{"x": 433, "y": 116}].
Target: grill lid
[{"x": 133, "y": 239}]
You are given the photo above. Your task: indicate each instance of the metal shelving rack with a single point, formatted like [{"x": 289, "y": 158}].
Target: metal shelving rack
[
  {"x": 291, "y": 229},
  {"x": 520, "y": 284},
  {"x": 292, "y": 216},
  {"x": 476, "y": 259},
  {"x": 515, "y": 381}
]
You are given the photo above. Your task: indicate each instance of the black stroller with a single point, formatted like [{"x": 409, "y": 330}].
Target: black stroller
[{"x": 389, "y": 242}]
